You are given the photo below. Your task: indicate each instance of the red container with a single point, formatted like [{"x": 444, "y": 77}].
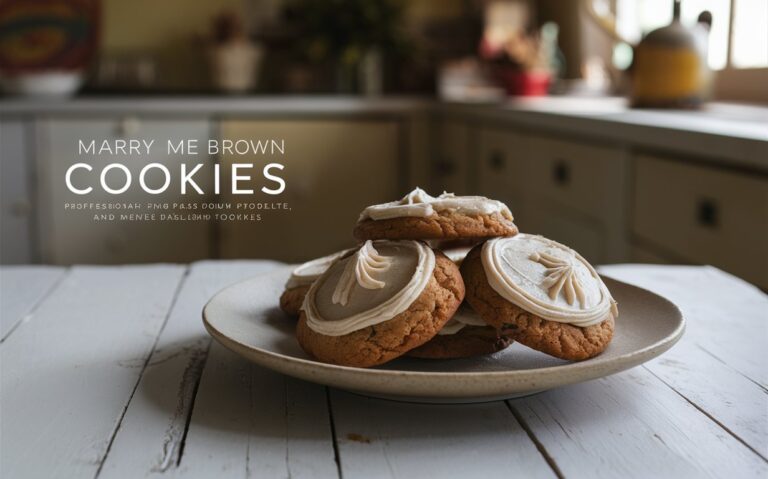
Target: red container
[{"x": 519, "y": 83}]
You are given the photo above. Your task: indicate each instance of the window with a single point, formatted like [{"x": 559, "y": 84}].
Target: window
[
  {"x": 749, "y": 40},
  {"x": 737, "y": 41},
  {"x": 738, "y": 38}
]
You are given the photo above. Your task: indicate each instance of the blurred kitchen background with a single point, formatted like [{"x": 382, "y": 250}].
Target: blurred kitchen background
[{"x": 631, "y": 130}]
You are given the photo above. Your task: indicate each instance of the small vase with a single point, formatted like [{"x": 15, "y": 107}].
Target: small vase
[
  {"x": 371, "y": 73},
  {"x": 235, "y": 66}
]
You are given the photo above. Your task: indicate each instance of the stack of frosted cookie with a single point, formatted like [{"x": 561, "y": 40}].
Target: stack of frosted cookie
[{"x": 408, "y": 290}]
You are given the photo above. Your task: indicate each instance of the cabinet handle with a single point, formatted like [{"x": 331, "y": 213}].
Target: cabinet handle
[
  {"x": 114, "y": 245},
  {"x": 561, "y": 173},
  {"x": 496, "y": 160},
  {"x": 444, "y": 167},
  {"x": 128, "y": 126},
  {"x": 708, "y": 213},
  {"x": 20, "y": 208}
]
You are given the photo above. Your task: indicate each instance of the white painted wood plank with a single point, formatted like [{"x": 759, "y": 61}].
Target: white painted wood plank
[
  {"x": 719, "y": 364},
  {"x": 222, "y": 420},
  {"x": 243, "y": 418},
  {"x": 633, "y": 425},
  {"x": 723, "y": 311},
  {"x": 385, "y": 439},
  {"x": 250, "y": 422},
  {"x": 150, "y": 435},
  {"x": 69, "y": 374},
  {"x": 21, "y": 289}
]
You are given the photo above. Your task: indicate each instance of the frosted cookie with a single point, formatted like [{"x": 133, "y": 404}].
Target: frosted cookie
[
  {"x": 376, "y": 304},
  {"x": 541, "y": 293},
  {"x": 464, "y": 335},
  {"x": 302, "y": 278},
  {"x": 420, "y": 216}
]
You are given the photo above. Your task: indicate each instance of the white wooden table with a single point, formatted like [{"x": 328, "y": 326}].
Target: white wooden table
[{"x": 108, "y": 372}]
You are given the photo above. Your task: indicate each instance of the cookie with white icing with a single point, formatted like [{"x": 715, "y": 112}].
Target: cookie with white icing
[
  {"x": 378, "y": 303},
  {"x": 420, "y": 216},
  {"x": 302, "y": 278},
  {"x": 542, "y": 293},
  {"x": 465, "y": 335}
]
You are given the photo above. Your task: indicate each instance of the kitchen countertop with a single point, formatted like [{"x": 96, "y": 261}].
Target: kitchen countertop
[
  {"x": 108, "y": 372},
  {"x": 721, "y": 131}
]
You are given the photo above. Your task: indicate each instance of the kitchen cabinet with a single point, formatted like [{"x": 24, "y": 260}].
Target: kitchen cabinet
[
  {"x": 615, "y": 183},
  {"x": 451, "y": 164},
  {"x": 16, "y": 202},
  {"x": 570, "y": 191},
  {"x": 578, "y": 195},
  {"x": 333, "y": 168},
  {"x": 77, "y": 236},
  {"x": 501, "y": 160},
  {"x": 703, "y": 215}
]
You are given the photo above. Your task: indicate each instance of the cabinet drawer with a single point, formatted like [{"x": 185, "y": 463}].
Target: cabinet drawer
[
  {"x": 704, "y": 215},
  {"x": 500, "y": 167},
  {"x": 575, "y": 175}
]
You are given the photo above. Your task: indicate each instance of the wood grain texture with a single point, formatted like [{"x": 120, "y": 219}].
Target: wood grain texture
[
  {"x": 201, "y": 411},
  {"x": 719, "y": 365},
  {"x": 385, "y": 439},
  {"x": 250, "y": 422},
  {"x": 633, "y": 425},
  {"x": 151, "y": 434},
  {"x": 114, "y": 376},
  {"x": 21, "y": 290},
  {"x": 69, "y": 374}
]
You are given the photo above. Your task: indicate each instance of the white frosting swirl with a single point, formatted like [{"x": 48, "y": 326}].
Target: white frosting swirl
[
  {"x": 465, "y": 316},
  {"x": 419, "y": 204},
  {"x": 412, "y": 264},
  {"x": 306, "y": 274},
  {"x": 547, "y": 279},
  {"x": 361, "y": 269}
]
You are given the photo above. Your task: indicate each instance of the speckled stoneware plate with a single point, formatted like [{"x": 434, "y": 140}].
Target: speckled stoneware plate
[{"x": 246, "y": 319}]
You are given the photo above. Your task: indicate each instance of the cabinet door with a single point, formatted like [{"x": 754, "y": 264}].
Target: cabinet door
[
  {"x": 75, "y": 237},
  {"x": 450, "y": 166},
  {"x": 333, "y": 169},
  {"x": 579, "y": 176},
  {"x": 703, "y": 215},
  {"x": 15, "y": 195},
  {"x": 500, "y": 169},
  {"x": 586, "y": 183}
]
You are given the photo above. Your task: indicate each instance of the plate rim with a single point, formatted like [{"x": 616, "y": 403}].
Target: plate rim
[{"x": 615, "y": 364}]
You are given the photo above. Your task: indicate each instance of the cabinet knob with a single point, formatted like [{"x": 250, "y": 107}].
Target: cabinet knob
[
  {"x": 114, "y": 245},
  {"x": 20, "y": 208},
  {"x": 561, "y": 173},
  {"x": 496, "y": 160},
  {"x": 128, "y": 126},
  {"x": 444, "y": 167},
  {"x": 708, "y": 213}
]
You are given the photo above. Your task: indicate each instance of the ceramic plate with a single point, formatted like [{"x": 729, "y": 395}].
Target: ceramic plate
[{"x": 246, "y": 319}]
